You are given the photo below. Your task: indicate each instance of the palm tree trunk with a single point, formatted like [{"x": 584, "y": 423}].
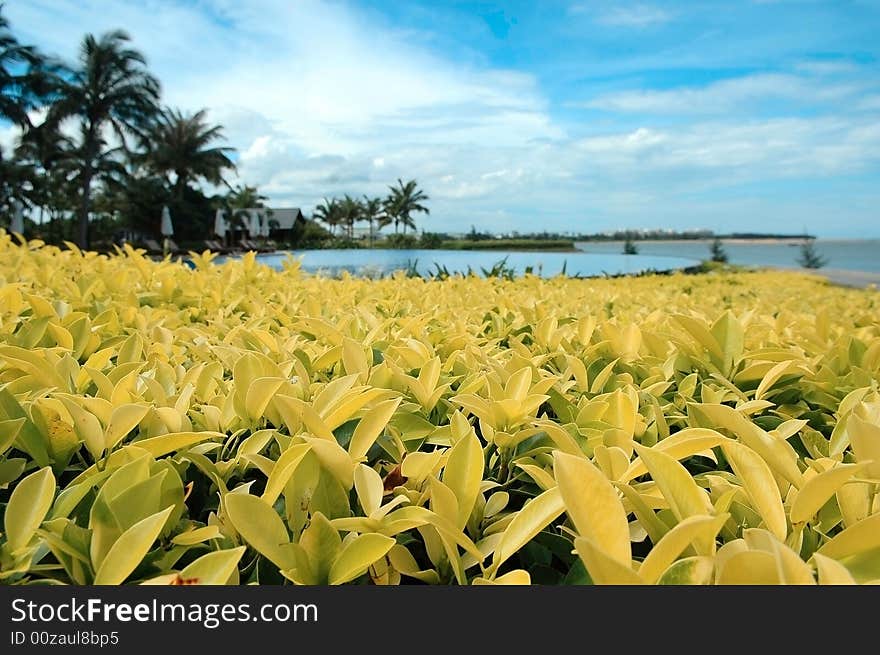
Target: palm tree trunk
[
  {"x": 85, "y": 208},
  {"x": 87, "y": 174}
]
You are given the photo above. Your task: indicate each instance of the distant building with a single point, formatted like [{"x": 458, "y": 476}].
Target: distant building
[{"x": 283, "y": 221}]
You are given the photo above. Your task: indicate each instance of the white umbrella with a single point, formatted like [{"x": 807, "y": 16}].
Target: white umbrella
[
  {"x": 265, "y": 231},
  {"x": 220, "y": 226},
  {"x": 254, "y": 228},
  {"x": 167, "y": 228},
  {"x": 17, "y": 224}
]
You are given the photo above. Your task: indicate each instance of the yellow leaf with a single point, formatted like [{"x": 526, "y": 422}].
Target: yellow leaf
[
  {"x": 681, "y": 445},
  {"x": 674, "y": 542},
  {"x": 28, "y": 505},
  {"x": 353, "y": 358},
  {"x": 261, "y": 527},
  {"x": 130, "y": 549},
  {"x": 865, "y": 440},
  {"x": 197, "y": 536},
  {"x": 284, "y": 468},
  {"x": 357, "y": 556},
  {"x": 528, "y": 522},
  {"x": 368, "y": 485},
  {"x": 214, "y": 568},
  {"x": 122, "y": 421},
  {"x": 87, "y": 427},
  {"x": 370, "y": 427},
  {"x": 333, "y": 458},
  {"x": 685, "y": 498},
  {"x": 515, "y": 577},
  {"x": 749, "y": 567},
  {"x": 832, "y": 572},
  {"x": 593, "y": 505},
  {"x": 174, "y": 441},
  {"x": 859, "y": 538},
  {"x": 603, "y": 568},
  {"x": 759, "y": 484},
  {"x": 463, "y": 473},
  {"x": 819, "y": 489},
  {"x": 259, "y": 394}
]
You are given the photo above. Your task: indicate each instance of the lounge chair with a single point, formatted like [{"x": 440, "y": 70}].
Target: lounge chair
[
  {"x": 248, "y": 244},
  {"x": 153, "y": 247},
  {"x": 215, "y": 246}
]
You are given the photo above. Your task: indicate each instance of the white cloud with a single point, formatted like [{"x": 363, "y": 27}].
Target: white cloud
[
  {"x": 725, "y": 95},
  {"x": 629, "y": 15},
  {"x": 320, "y": 99}
]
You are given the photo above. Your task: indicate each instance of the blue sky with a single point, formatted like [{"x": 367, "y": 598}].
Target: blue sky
[{"x": 580, "y": 115}]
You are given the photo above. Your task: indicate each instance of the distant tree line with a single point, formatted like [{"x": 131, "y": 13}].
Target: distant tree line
[
  {"x": 107, "y": 155},
  {"x": 398, "y": 208}
]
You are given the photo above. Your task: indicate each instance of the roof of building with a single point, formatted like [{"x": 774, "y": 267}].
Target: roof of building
[{"x": 285, "y": 216}]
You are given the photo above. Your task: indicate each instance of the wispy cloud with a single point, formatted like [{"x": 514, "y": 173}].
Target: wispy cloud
[
  {"x": 728, "y": 94},
  {"x": 629, "y": 15}
]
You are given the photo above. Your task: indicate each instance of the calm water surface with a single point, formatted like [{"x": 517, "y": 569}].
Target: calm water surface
[
  {"x": 853, "y": 255},
  {"x": 382, "y": 262}
]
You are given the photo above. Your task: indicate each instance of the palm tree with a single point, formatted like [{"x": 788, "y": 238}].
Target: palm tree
[
  {"x": 350, "y": 213},
  {"x": 19, "y": 92},
  {"x": 52, "y": 157},
  {"x": 110, "y": 90},
  {"x": 404, "y": 200},
  {"x": 372, "y": 212},
  {"x": 181, "y": 144},
  {"x": 245, "y": 197},
  {"x": 328, "y": 213}
]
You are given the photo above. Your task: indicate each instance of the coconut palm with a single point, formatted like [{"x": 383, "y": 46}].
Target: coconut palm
[
  {"x": 245, "y": 197},
  {"x": 180, "y": 144},
  {"x": 328, "y": 212},
  {"x": 110, "y": 92},
  {"x": 372, "y": 212},
  {"x": 19, "y": 91},
  {"x": 403, "y": 201},
  {"x": 350, "y": 213}
]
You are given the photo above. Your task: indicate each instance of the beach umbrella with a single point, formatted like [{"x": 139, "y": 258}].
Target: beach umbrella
[
  {"x": 167, "y": 228},
  {"x": 265, "y": 227},
  {"x": 254, "y": 229},
  {"x": 220, "y": 226},
  {"x": 17, "y": 224}
]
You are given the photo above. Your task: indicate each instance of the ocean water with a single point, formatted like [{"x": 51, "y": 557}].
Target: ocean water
[
  {"x": 853, "y": 255},
  {"x": 546, "y": 264}
]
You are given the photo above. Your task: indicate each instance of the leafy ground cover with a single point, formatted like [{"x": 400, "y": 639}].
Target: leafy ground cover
[{"x": 230, "y": 423}]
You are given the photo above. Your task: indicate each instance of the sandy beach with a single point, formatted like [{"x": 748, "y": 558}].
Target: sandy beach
[{"x": 858, "y": 279}]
